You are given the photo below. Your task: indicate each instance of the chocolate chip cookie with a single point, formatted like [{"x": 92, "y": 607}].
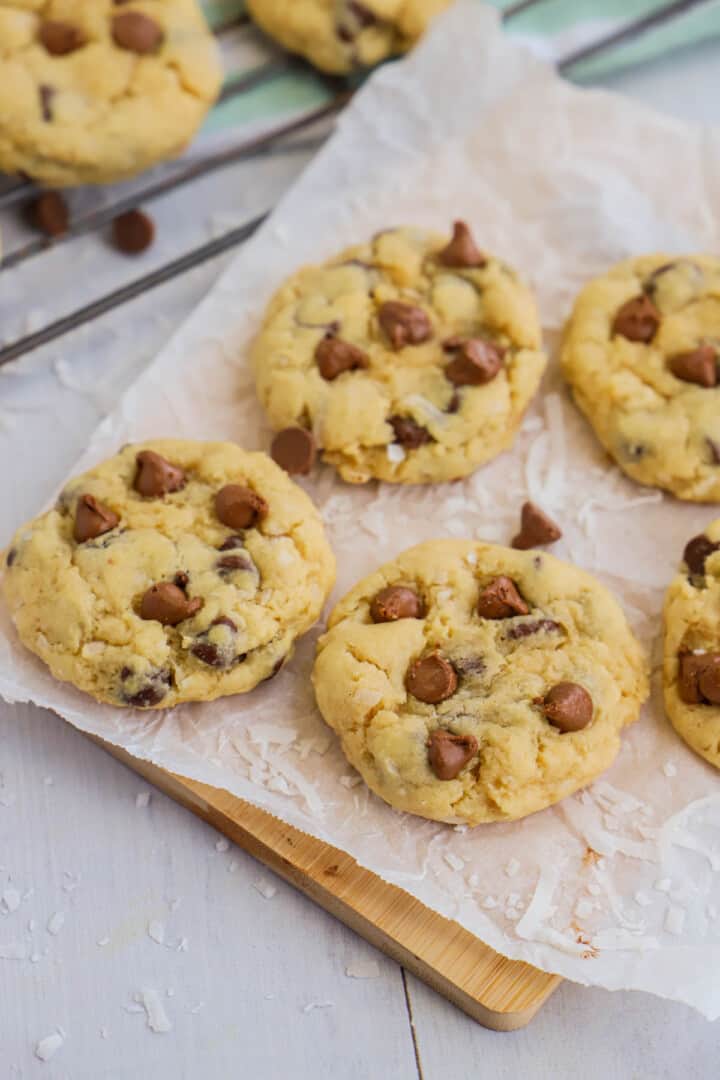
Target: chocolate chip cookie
[
  {"x": 411, "y": 358},
  {"x": 642, "y": 355},
  {"x": 341, "y": 35},
  {"x": 692, "y": 646},
  {"x": 474, "y": 683},
  {"x": 175, "y": 571},
  {"x": 96, "y": 90}
]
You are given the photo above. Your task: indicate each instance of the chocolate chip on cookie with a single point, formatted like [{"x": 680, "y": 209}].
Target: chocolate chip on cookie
[
  {"x": 698, "y": 366},
  {"x": 567, "y": 706},
  {"x": 697, "y": 551},
  {"x": 220, "y": 651},
  {"x": 49, "y": 213},
  {"x": 133, "y": 232},
  {"x": 475, "y": 363},
  {"x": 239, "y": 507},
  {"x": 462, "y": 251},
  {"x": 396, "y": 602},
  {"x": 152, "y": 688},
  {"x": 228, "y": 564},
  {"x": 637, "y": 320},
  {"x": 535, "y": 626},
  {"x": 500, "y": 599},
  {"x": 334, "y": 356},
  {"x": 231, "y": 542},
  {"x": 431, "y": 679},
  {"x": 157, "y": 476},
  {"x": 167, "y": 603},
  {"x": 536, "y": 528},
  {"x": 404, "y": 324},
  {"x": 408, "y": 432},
  {"x": 45, "y": 96},
  {"x": 92, "y": 518},
  {"x": 60, "y": 38},
  {"x": 699, "y": 678},
  {"x": 294, "y": 450},
  {"x": 448, "y": 753},
  {"x": 136, "y": 32}
]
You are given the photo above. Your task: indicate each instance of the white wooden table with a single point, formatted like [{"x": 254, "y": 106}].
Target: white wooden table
[{"x": 253, "y": 977}]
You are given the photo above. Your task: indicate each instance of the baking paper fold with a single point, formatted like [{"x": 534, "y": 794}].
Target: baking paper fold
[{"x": 619, "y": 885}]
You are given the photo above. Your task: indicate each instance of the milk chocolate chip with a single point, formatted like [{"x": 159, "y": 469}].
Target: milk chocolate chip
[
  {"x": 334, "y": 356},
  {"x": 699, "y": 678},
  {"x": 475, "y": 363},
  {"x": 156, "y": 476},
  {"x": 167, "y": 603},
  {"x": 697, "y": 551},
  {"x": 294, "y": 450},
  {"x": 462, "y": 250},
  {"x": 228, "y": 564},
  {"x": 136, "y": 32},
  {"x": 431, "y": 679},
  {"x": 49, "y": 213},
  {"x": 404, "y": 324},
  {"x": 535, "y": 528},
  {"x": 60, "y": 38},
  {"x": 637, "y": 320},
  {"x": 698, "y": 366},
  {"x": 448, "y": 753},
  {"x": 567, "y": 706},
  {"x": 92, "y": 518},
  {"x": 133, "y": 232},
  {"x": 500, "y": 599},
  {"x": 396, "y": 602},
  {"x": 408, "y": 432},
  {"x": 239, "y": 507}
]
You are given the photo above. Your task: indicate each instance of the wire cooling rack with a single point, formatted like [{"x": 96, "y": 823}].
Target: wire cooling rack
[{"x": 329, "y": 96}]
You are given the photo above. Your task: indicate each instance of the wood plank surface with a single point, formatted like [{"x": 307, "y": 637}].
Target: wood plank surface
[{"x": 498, "y": 993}]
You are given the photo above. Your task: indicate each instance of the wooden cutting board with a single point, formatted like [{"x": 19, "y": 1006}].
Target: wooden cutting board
[{"x": 499, "y": 993}]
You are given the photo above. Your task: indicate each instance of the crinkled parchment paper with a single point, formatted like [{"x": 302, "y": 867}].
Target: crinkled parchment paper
[{"x": 618, "y": 886}]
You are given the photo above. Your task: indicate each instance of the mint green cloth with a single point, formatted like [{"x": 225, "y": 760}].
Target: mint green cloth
[{"x": 547, "y": 19}]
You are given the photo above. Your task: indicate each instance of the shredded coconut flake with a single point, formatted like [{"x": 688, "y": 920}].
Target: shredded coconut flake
[
  {"x": 49, "y": 1046},
  {"x": 56, "y": 922},
  {"x": 13, "y": 951},
  {"x": 512, "y": 867},
  {"x": 142, "y": 799},
  {"x": 266, "y": 889},
  {"x": 222, "y": 844},
  {"x": 157, "y": 1019},
  {"x": 156, "y": 931},
  {"x": 10, "y": 899},
  {"x": 453, "y": 861},
  {"x": 675, "y": 920},
  {"x": 311, "y": 1005},
  {"x": 363, "y": 969}
]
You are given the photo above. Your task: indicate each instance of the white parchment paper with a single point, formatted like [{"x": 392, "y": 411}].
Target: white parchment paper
[{"x": 618, "y": 886}]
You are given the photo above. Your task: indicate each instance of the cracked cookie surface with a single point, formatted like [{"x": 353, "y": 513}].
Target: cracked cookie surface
[
  {"x": 340, "y": 36},
  {"x": 412, "y": 357},
  {"x": 526, "y": 668},
  {"x": 174, "y": 571},
  {"x": 95, "y": 91},
  {"x": 641, "y": 352},
  {"x": 691, "y": 667}
]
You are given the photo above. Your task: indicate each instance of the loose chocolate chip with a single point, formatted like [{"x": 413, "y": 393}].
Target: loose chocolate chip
[
  {"x": 500, "y": 599},
  {"x": 697, "y": 551},
  {"x": 535, "y": 528},
  {"x": 231, "y": 542},
  {"x": 49, "y": 213},
  {"x": 699, "y": 678},
  {"x": 294, "y": 450},
  {"x": 229, "y": 563},
  {"x": 136, "y": 32},
  {"x": 462, "y": 250},
  {"x": 536, "y": 626},
  {"x": 92, "y": 518},
  {"x": 408, "y": 432},
  {"x": 334, "y": 356},
  {"x": 637, "y": 320},
  {"x": 448, "y": 753},
  {"x": 157, "y": 476},
  {"x": 164, "y": 602},
  {"x": 475, "y": 363},
  {"x": 396, "y": 602},
  {"x": 133, "y": 232},
  {"x": 431, "y": 679},
  {"x": 239, "y": 507},
  {"x": 60, "y": 38},
  {"x": 404, "y": 324},
  {"x": 567, "y": 706},
  {"x": 46, "y": 94},
  {"x": 698, "y": 366}
]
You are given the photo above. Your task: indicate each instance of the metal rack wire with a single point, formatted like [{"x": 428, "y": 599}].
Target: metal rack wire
[{"x": 276, "y": 136}]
